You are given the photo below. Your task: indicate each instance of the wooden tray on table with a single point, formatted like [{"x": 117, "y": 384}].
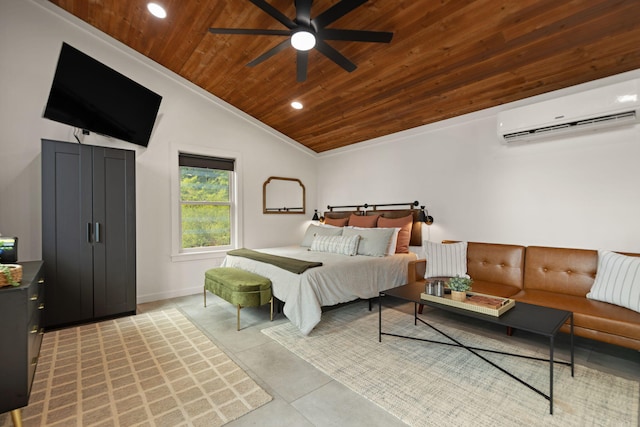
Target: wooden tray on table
[{"x": 480, "y": 303}]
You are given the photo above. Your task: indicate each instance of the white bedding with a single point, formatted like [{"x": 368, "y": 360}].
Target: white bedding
[{"x": 340, "y": 279}]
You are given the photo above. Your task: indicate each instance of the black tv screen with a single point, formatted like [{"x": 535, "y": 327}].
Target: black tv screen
[{"x": 89, "y": 95}]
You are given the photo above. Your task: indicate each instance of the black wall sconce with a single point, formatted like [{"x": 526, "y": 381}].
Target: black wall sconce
[{"x": 424, "y": 216}]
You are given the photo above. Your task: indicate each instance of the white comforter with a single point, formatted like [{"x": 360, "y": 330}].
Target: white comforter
[{"x": 341, "y": 278}]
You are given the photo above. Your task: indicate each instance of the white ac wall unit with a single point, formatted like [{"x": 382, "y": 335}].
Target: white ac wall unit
[{"x": 613, "y": 105}]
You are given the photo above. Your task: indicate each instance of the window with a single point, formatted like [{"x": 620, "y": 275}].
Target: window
[{"x": 206, "y": 202}]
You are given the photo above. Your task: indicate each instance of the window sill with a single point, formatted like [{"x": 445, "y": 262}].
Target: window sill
[{"x": 196, "y": 256}]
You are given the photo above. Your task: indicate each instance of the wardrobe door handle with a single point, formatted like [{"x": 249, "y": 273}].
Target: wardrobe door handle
[
  {"x": 89, "y": 232},
  {"x": 97, "y": 233}
]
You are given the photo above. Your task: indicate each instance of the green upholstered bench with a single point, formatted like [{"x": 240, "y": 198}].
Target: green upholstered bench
[{"x": 239, "y": 287}]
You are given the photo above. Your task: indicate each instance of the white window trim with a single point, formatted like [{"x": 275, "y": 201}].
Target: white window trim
[{"x": 177, "y": 254}]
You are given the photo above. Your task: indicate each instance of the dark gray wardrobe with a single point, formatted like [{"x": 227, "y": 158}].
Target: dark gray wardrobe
[{"x": 88, "y": 232}]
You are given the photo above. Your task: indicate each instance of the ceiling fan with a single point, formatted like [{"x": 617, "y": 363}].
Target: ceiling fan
[{"x": 305, "y": 33}]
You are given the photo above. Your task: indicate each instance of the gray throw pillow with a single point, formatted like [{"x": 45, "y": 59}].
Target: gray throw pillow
[{"x": 373, "y": 241}]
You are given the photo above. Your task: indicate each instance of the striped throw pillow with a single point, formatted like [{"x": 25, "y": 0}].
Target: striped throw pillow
[
  {"x": 617, "y": 280},
  {"x": 345, "y": 245},
  {"x": 445, "y": 260},
  {"x": 315, "y": 230}
]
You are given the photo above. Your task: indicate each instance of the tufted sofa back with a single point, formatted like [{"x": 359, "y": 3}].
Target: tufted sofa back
[
  {"x": 496, "y": 263},
  {"x": 560, "y": 270}
]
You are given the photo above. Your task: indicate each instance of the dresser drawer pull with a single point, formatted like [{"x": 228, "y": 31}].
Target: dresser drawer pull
[
  {"x": 41, "y": 281},
  {"x": 34, "y": 297},
  {"x": 34, "y": 330},
  {"x": 41, "y": 306},
  {"x": 34, "y": 361}
]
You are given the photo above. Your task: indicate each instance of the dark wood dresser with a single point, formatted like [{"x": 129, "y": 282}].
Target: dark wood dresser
[{"x": 21, "y": 333}]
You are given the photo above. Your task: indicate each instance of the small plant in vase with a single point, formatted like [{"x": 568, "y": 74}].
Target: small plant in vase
[{"x": 459, "y": 287}]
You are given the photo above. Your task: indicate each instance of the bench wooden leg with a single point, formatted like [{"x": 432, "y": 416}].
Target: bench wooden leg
[
  {"x": 271, "y": 302},
  {"x": 239, "y": 307},
  {"x": 205, "y": 297}
]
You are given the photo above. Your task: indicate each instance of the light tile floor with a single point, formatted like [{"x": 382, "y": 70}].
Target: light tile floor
[{"x": 304, "y": 396}]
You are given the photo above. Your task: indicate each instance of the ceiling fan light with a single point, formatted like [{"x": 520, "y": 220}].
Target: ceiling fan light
[
  {"x": 303, "y": 40},
  {"x": 157, "y": 10}
]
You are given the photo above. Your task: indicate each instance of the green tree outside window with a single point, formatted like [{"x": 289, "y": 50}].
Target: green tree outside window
[{"x": 205, "y": 207}]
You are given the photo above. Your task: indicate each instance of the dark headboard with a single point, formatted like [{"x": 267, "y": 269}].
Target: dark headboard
[{"x": 416, "y": 230}]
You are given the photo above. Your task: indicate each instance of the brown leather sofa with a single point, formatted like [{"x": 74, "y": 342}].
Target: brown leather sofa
[{"x": 552, "y": 277}]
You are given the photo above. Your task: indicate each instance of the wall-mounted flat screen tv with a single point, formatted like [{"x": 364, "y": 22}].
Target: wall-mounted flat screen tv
[{"x": 91, "y": 96}]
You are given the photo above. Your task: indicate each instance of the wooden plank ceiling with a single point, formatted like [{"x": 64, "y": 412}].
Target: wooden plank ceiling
[{"x": 447, "y": 58}]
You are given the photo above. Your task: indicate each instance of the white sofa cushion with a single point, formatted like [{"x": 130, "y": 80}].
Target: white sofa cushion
[
  {"x": 617, "y": 280},
  {"x": 445, "y": 260}
]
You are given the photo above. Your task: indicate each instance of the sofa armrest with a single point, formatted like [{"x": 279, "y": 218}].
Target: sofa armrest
[{"x": 416, "y": 271}]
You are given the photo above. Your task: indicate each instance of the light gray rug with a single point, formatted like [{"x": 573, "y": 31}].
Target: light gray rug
[{"x": 433, "y": 385}]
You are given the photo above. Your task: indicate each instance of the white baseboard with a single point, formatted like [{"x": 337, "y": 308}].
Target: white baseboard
[{"x": 141, "y": 299}]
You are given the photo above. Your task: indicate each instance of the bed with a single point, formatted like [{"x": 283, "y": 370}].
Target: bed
[{"x": 341, "y": 278}]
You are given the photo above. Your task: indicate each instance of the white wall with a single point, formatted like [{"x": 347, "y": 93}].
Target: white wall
[
  {"x": 575, "y": 192},
  {"x": 582, "y": 191},
  {"x": 31, "y": 34}
]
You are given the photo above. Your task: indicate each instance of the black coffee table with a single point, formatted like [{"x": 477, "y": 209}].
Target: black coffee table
[{"x": 536, "y": 319}]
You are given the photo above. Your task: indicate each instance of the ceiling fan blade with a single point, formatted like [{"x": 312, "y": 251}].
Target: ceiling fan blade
[
  {"x": 275, "y": 13},
  {"x": 303, "y": 12},
  {"x": 335, "y": 56},
  {"x": 355, "y": 35},
  {"x": 336, "y": 12},
  {"x": 252, "y": 31},
  {"x": 268, "y": 54},
  {"x": 302, "y": 61}
]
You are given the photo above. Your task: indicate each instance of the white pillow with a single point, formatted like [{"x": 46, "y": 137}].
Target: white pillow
[
  {"x": 393, "y": 242},
  {"x": 617, "y": 280},
  {"x": 373, "y": 241},
  {"x": 445, "y": 260},
  {"x": 345, "y": 245},
  {"x": 314, "y": 230},
  {"x": 391, "y": 250}
]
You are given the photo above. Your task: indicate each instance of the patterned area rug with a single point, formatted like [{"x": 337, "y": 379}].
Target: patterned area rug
[
  {"x": 433, "y": 385},
  {"x": 153, "y": 369}
]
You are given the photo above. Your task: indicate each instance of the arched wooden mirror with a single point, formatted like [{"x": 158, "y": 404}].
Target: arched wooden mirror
[{"x": 283, "y": 196}]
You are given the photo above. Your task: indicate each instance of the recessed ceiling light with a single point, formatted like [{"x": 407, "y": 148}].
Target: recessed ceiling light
[
  {"x": 157, "y": 10},
  {"x": 297, "y": 105}
]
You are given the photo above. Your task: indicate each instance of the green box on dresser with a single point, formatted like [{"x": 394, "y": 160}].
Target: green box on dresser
[{"x": 21, "y": 333}]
